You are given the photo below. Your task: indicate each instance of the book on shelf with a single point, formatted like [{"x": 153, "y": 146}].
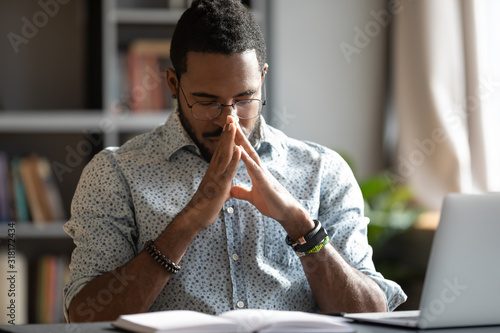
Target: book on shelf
[
  {"x": 41, "y": 288},
  {"x": 30, "y": 192},
  {"x": 51, "y": 191},
  {"x": 37, "y": 199},
  {"x": 146, "y": 61},
  {"x": 21, "y": 209},
  {"x": 5, "y": 189},
  {"x": 244, "y": 320},
  {"x": 179, "y": 4},
  {"x": 52, "y": 274}
]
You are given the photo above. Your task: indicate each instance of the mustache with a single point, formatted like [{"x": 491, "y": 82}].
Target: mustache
[{"x": 215, "y": 133}]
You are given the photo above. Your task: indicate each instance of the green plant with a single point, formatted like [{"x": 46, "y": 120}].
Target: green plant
[{"x": 390, "y": 207}]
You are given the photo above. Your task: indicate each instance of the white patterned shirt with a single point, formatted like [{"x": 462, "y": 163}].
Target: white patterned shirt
[{"x": 128, "y": 195}]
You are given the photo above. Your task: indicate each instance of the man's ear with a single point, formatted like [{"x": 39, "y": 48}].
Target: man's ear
[
  {"x": 172, "y": 81},
  {"x": 264, "y": 71}
]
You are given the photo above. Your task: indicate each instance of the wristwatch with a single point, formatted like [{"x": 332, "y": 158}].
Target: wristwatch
[{"x": 307, "y": 242}]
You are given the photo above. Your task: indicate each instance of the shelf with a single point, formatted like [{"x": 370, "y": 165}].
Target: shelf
[
  {"x": 154, "y": 16},
  {"x": 52, "y": 230},
  {"x": 139, "y": 122},
  {"x": 62, "y": 134},
  {"x": 145, "y": 16},
  {"x": 77, "y": 121},
  {"x": 54, "y": 121}
]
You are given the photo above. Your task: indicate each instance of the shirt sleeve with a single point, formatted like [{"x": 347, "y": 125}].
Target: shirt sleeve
[
  {"x": 102, "y": 227},
  {"x": 342, "y": 214}
]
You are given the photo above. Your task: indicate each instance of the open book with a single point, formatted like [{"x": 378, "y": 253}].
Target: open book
[{"x": 245, "y": 320}]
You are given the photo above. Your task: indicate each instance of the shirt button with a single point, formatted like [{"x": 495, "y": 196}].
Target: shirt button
[
  {"x": 235, "y": 257},
  {"x": 240, "y": 304},
  {"x": 230, "y": 210}
]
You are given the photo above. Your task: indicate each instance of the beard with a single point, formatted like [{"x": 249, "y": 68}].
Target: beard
[{"x": 204, "y": 151}]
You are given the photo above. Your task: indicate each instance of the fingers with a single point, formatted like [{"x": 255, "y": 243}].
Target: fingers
[
  {"x": 240, "y": 193},
  {"x": 233, "y": 164},
  {"x": 224, "y": 151},
  {"x": 242, "y": 140},
  {"x": 249, "y": 162},
  {"x": 226, "y": 158},
  {"x": 253, "y": 168}
]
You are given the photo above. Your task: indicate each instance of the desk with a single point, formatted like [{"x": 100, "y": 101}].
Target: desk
[
  {"x": 368, "y": 328},
  {"x": 107, "y": 327}
]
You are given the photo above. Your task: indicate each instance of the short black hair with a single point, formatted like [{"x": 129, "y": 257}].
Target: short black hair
[{"x": 216, "y": 27}]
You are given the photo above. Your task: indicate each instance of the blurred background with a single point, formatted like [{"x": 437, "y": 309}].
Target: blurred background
[{"x": 408, "y": 92}]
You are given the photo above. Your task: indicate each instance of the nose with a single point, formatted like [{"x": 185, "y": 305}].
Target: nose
[
  {"x": 225, "y": 106},
  {"x": 226, "y": 110}
]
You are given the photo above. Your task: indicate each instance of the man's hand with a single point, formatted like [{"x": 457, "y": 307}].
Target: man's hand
[
  {"x": 215, "y": 187},
  {"x": 268, "y": 195}
]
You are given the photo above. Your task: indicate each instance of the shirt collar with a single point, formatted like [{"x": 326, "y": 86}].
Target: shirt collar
[
  {"x": 267, "y": 137},
  {"x": 177, "y": 138}
]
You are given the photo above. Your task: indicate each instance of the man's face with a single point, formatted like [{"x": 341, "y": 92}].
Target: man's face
[{"x": 225, "y": 79}]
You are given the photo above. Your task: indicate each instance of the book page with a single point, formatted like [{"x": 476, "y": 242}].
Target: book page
[
  {"x": 174, "y": 321},
  {"x": 253, "y": 320}
]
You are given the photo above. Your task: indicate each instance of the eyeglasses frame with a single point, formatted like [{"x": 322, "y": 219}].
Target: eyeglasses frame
[{"x": 233, "y": 106}]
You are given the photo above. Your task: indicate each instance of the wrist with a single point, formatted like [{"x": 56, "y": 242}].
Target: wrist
[
  {"x": 190, "y": 221},
  {"x": 301, "y": 224},
  {"x": 310, "y": 243},
  {"x": 177, "y": 237}
]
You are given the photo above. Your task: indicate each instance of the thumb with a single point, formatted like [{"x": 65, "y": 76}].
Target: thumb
[{"x": 240, "y": 193}]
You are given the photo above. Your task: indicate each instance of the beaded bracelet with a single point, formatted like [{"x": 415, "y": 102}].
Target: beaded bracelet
[
  {"x": 160, "y": 258},
  {"x": 315, "y": 249}
]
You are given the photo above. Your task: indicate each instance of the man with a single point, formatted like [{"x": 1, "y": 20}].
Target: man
[{"x": 194, "y": 215}]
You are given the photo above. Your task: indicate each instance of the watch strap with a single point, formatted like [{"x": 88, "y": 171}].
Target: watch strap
[
  {"x": 311, "y": 243},
  {"x": 304, "y": 239},
  {"x": 315, "y": 249}
]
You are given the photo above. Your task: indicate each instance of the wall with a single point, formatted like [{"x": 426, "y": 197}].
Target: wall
[
  {"x": 318, "y": 93},
  {"x": 42, "y": 54}
]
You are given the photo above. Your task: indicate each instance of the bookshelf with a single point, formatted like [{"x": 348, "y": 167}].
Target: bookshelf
[{"x": 64, "y": 90}]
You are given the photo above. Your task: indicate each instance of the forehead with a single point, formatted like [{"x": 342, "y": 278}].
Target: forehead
[{"x": 220, "y": 69}]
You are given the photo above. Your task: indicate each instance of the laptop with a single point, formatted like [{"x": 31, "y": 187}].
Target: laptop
[{"x": 462, "y": 283}]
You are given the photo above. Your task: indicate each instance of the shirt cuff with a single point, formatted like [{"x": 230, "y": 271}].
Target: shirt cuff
[{"x": 70, "y": 291}]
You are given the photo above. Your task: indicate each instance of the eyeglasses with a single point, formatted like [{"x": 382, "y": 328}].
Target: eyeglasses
[{"x": 245, "y": 108}]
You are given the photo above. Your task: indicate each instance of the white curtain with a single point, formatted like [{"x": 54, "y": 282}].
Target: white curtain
[{"x": 446, "y": 88}]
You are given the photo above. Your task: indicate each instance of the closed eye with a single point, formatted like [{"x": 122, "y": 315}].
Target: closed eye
[
  {"x": 207, "y": 104},
  {"x": 245, "y": 101}
]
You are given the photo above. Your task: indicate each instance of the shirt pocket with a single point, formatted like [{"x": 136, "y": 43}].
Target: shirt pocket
[{"x": 275, "y": 247}]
